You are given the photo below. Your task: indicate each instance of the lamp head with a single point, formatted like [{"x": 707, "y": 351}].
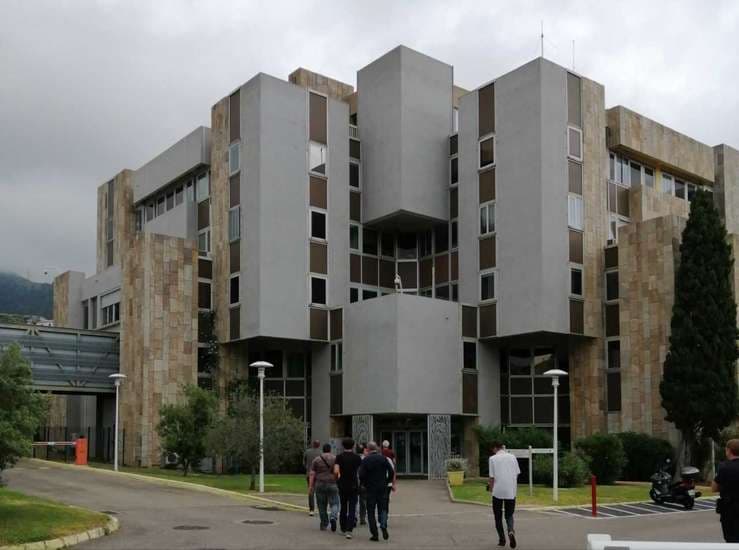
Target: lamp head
[
  {"x": 552, "y": 373},
  {"x": 261, "y": 365},
  {"x": 117, "y": 378}
]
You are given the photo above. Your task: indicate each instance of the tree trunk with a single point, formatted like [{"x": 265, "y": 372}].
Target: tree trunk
[
  {"x": 185, "y": 467},
  {"x": 253, "y": 482}
]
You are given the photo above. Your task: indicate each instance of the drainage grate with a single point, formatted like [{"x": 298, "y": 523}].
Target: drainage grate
[
  {"x": 190, "y": 528},
  {"x": 257, "y": 522},
  {"x": 267, "y": 508}
]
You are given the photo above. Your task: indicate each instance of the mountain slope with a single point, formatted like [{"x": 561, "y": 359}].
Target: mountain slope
[{"x": 19, "y": 295}]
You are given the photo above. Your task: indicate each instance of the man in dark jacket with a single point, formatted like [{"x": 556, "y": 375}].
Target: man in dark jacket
[
  {"x": 726, "y": 482},
  {"x": 346, "y": 468},
  {"x": 374, "y": 474}
]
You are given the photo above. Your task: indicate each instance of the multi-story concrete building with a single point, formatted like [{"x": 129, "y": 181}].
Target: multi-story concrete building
[{"x": 411, "y": 256}]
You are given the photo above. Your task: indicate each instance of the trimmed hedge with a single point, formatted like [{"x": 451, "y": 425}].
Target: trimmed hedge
[
  {"x": 644, "y": 454},
  {"x": 573, "y": 470},
  {"x": 512, "y": 438},
  {"x": 605, "y": 456}
]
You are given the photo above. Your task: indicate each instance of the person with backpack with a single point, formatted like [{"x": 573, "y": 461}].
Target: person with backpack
[{"x": 323, "y": 485}]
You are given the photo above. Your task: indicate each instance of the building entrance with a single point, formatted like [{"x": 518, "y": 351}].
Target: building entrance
[{"x": 411, "y": 450}]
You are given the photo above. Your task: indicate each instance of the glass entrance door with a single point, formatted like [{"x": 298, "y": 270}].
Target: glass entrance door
[{"x": 410, "y": 452}]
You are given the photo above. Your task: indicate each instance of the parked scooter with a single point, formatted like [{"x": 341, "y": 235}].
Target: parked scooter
[{"x": 682, "y": 492}]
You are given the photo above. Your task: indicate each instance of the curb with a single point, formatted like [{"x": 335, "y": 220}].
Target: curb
[
  {"x": 182, "y": 484},
  {"x": 69, "y": 540}
]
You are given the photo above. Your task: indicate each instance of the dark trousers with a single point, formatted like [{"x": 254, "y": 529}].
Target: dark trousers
[
  {"x": 376, "y": 501},
  {"x": 730, "y": 527},
  {"x": 311, "y": 496},
  {"x": 498, "y": 505},
  {"x": 348, "y": 513},
  {"x": 362, "y": 505}
]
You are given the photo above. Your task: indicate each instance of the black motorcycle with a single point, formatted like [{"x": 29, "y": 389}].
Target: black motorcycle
[{"x": 681, "y": 492}]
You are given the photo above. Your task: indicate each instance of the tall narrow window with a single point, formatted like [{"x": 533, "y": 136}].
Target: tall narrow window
[
  {"x": 354, "y": 237},
  {"x": 203, "y": 187},
  {"x": 576, "y": 282},
  {"x": 487, "y": 218},
  {"x": 234, "y": 224},
  {"x": 234, "y": 158},
  {"x": 667, "y": 183},
  {"x": 317, "y": 225},
  {"x": 487, "y": 286},
  {"x": 574, "y": 211},
  {"x": 354, "y": 175},
  {"x": 318, "y": 158},
  {"x": 487, "y": 152},
  {"x": 234, "y": 290},
  {"x": 574, "y": 143},
  {"x": 318, "y": 290}
]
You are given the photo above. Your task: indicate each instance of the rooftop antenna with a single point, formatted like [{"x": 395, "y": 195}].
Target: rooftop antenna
[{"x": 542, "y": 38}]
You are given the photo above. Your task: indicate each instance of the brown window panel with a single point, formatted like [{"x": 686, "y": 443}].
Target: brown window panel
[
  {"x": 613, "y": 318},
  {"x": 612, "y": 197},
  {"x": 234, "y": 190},
  {"x": 623, "y": 200},
  {"x": 574, "y": 110},
  {"x": 487, "y": 185},
  {"x": 369, "y": 271},
  {"x": 486, "y": 113},
  {"x": 487, "y": 253},
  {"x": 354, "y": 149},
  {"x": 204, "y": 295},
  {"x": 355, "y": 206},
  {"x": 234, "y": 256},
  {"x": 469, "y": 393},
  {"x": 318, "y": 324},
  {"x": 234, "y": 323},
  {"x": 318, "y": 193},
  {"x": 575, "y": 177},
  {"x": 576, "y": 253},
  {"x": 336, "y": 321},
  {"x": 453, "y": 204},
  {"x": 441, "y": 265},
  {"x": 335, "y": 394},
  {"x": 317, "y": 118},
  {"x": 234, "y": 116},
  {"x": 355, "y": 268},
  {"x": 387, "y": 273},
  {"x": 426, "y": 273},
  {"x": 577, "y": 317},
  {"x": 203, "y": 214},
  {"x": 454, "y": 266},
  {"x": 488, "y": 320},
  {"x": 205, "y": 268},
  {"x": 408, "y": 275},
  {"x": 613, "y": 384},
  {"x": 318, "y": 258},
  {"x": 469, "y": 322},
  {"x": 611, "y": 256}
]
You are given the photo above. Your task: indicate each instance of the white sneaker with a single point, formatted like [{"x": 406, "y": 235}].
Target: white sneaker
[
  {"x": 311, "y": 513},
  {"x": 348, "y": 535}
]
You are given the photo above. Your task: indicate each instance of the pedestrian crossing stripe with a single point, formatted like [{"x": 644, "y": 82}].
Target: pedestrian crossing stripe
[{"x": 631, "y": 509}]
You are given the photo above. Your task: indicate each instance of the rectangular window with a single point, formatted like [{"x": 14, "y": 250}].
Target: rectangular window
[
  {"x": 354, "y": 175},
  {"x": 574, "y": 114},
  {"x": 442, "y": 292},
  {"x": 170, "y": 201},
  {"x": 574, "y": 211},
  {"x": 680, "y": 189},
  {"x": 204, "y": 242},
  {"x": 318, "y": 158},
  {"x": 667, "y": 183},
  {"x": 613, "y": 382},
  {"x": 455, "y": 120},
  {"x": 317, "y": 290},
  {"x": 317, "y": 115},
  {"x": 109, "y": 253},
  {"x": 354, "y": 237},
  {"x": 612, "y": 285},
  {"x": 179, "y": 195},
  {"x": 691, "y": 191},
  {"x": 353, "y": 295},
  {"x": 204, "y": 295},
  {"x": 487, "y": 218},
  {"x": 202, "y": 187},
  {"x": 487, "y": 152},
  {"x": 318, "y": 192},
  {"x": 368, "y": 294},
  {"x": 408, "y": 240},
  {"x": 234, "y": 290},
  {"x": 355, "y": 206},
  {"x": 369, "y": 242},
  {"x": 576, "y": 282},
  {"x": 469, "y": 355},
  {"x": 453, "y": 203},
  {"x": 649, "y": 177},
  {"x": 234, "y": 224},
  {"x": 441, "y": 238},
  {"x": 614, "y": 354},
  {"x": 635, "y": 174},
  {"x": 574, "y": 143},
  {"x": 455, "y": 236},
  {"x": 234, "y": 158},
  {"x": 575, "y": 177},
  {"x": 160, "y": 206},
  {"x": 486, "y": 109},
  {"x": 576, "y": 248},
  {"x": 454, "y": 168},
  {"x": 150, "y": 212},
  {"x": 487, "y": 286},
  {"x": 317, "y": 225},
  {"x": 387, "y": 244},
  {"x": 354, "y": 149}
]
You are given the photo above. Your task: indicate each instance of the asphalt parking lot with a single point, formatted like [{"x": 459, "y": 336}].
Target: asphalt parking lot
[{"x": 633, "y": 509}]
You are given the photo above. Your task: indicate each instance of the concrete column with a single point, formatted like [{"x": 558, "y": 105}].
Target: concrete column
[
  {"x": 439, "y": 443},
  {"x": 471, "y": 445},
  {"x": 362, "y": 428}
]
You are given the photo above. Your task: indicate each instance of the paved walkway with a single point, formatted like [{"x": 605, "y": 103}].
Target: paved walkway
[{"x": 158, "y": 516}]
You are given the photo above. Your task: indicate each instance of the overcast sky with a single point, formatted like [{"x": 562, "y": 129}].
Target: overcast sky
[{"x": 89, "y": 88}]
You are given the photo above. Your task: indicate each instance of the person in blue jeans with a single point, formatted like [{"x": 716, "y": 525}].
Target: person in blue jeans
[
  {"x": 374, "y": 474},
  {"x": 346, "y": 469},
  {"x": 323, "y": 485}
]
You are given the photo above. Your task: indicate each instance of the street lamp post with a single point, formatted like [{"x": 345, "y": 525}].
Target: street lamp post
[
  {"x": 117, "y": 379},
  {"x": 554, "y": 374},
  {"x": 261, "y": 366}
]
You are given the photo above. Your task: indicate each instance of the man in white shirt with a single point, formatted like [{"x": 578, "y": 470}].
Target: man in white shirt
[{"x": 504, "y": 471}]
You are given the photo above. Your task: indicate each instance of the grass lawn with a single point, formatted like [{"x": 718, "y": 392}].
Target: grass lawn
[
  {"x": 29, "y": 519},
  {"x": 273, "y": 483},
  {"x": 474, "y": 490}
]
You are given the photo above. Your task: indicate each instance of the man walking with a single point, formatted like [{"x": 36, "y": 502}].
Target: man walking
[
  {"x": 362, "y": 453},
  {"x": 726, "y": 483},
  {"x": 310, "y": 454},
  {"x": 374, "y": 474},
  {"x": 346, "y": 469},
  {"x": 323, "y": 484},
  {"x": 387, "y": 451},
  {"x": 504, "y": 472}
]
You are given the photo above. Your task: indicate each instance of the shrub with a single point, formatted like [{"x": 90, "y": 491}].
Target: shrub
[
  {"x": 573, "y": 471},
  {"x": 604, "y": 455},
  {"x": 644, "y": 454},
  {"x": 456, "y": 465},
  {"x": 512, "y": 438}
]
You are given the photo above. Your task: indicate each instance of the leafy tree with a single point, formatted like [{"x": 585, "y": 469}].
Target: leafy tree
[
  {"x": 604, "y": 455},
  {"x": 236, "y": 435},
  {"x": 183, "y": 426},
  {"x": 22, "y": 410},
  {"x": 698, "y": 388}
]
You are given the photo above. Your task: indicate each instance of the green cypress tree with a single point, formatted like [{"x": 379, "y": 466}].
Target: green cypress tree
[{"x": 699, "y": 387}]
